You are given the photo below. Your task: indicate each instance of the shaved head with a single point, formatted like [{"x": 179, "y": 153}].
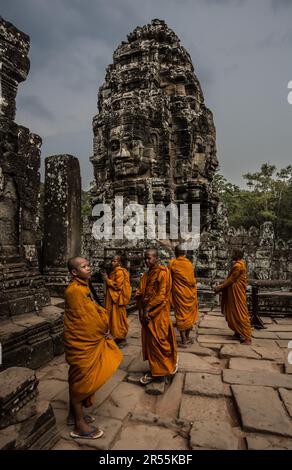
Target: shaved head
[
  {"x": 121, "y": 258},
  {"x": 151, "y": 257},
  {"x": 179, "y": 250},
  {"x": 237, "y": 254},
  {"x": 74, "y": 263},
  {"x": 153, "y": 251}
]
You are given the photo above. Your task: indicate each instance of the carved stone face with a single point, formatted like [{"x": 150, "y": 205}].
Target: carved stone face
[{"x": 130, "y": 152}]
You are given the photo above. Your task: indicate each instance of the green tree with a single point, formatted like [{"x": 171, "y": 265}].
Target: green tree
[
  {"x": 268, "y": 198},
  {"x": 86, "y": 197}
]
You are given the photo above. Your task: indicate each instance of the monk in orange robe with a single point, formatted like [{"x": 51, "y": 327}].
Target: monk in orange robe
[
  {"x": 90, "y": 351},
  {"x": 118, "y": 295},
  {"x": 183, "y": 294},
  {"x": 158, "y": 338},
  {"x": 233, "y": 300}
]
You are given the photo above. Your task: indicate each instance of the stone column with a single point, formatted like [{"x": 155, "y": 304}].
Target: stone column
[
  {"x": 62, "y": 219},
  {"x": 22, "y": 288},
  {"x": 30, "y": 328}
]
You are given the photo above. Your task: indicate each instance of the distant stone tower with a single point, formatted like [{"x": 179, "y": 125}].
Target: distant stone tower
[{"x": 154, "y": 138}]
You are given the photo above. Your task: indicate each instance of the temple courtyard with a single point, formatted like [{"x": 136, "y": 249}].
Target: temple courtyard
[{"x": 224, "y": 396}]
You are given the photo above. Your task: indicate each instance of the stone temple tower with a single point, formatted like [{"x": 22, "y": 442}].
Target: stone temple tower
[{"x": 154, "y": 138}]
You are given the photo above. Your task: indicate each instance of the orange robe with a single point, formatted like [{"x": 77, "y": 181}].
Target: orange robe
[
  {"x": 158, "y": 338},
  {"x": 233, "y": 301},
  {"x": 92, "y": 358},
  {"x": 184, "y": 293},
  {"x": 118, "y": 295}
]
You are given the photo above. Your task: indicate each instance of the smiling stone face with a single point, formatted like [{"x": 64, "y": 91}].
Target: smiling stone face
[
  {"x": 154, "y": 138},
  {"x": 129, "y": 152}
]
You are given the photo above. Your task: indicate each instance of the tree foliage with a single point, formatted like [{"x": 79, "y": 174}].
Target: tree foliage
[
  {"x": 268, "y": 198},
  {"x": 86, "y": 196}
]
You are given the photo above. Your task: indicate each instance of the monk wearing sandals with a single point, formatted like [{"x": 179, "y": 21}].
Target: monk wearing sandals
[
  {"x": 158, "y": 338},
  {"x": 90, "y": 351},
  {"x": 183, "y": 294},
  {"x": 233, "y": 300}
]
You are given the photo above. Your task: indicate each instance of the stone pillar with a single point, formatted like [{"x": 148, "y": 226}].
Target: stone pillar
[
  {"x": 62, "y": 219},
  {"x": 22, "y": 288},
  {"x": 30, "y": 328}
]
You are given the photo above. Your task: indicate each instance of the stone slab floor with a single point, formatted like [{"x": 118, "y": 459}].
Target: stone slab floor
[{"x": 224, "y": 396}]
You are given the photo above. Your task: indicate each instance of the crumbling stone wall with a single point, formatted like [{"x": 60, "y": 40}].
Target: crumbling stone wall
[
  {"x": 30, "y": 328},
  {"x": 22, "y": 288},
  {"x": 267, "y": 257}
]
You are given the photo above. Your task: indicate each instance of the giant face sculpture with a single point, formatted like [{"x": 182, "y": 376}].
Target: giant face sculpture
[{"x": 130, "y": 152}]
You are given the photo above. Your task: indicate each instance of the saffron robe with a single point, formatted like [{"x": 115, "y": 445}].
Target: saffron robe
[
  {"x": 158, "y": 338},
  {"x": 92, "y": 358},
  {"x": 118, "y": 295},
  {"x": 184, "y": 293},
  {"x": 233, "y": 301}
]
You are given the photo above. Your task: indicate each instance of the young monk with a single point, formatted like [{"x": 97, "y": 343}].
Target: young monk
[
  {"x": 233, "y": 301},
  {"x": 183, "y": 294},
  {"x": 90, "y": 351},
  {"x": 118, "y": 295},
  {"x": 158, "y": 339}
]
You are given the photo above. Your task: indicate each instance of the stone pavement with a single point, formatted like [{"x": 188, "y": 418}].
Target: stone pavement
[{"x": 224, "y": 396}]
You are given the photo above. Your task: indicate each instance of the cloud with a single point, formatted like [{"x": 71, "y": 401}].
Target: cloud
[
  {"x": 240, "y": 51},
  {"x": 33, "y": 105},
  {"x": 219, "y": 3},
  {"x": 278, "y": 5}
]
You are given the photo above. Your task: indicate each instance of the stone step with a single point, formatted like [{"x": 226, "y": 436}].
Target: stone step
[
  {"x": 261, "y": 410},
  {"x": 37, "y": 431},
  {"x": 212, "y": 434},
  {"x": 208, "y": 339},
  {"x": 241, "y": 363},
  {"x": 155, "y": 388},
  {"x": 209, "y": 385},
  {"x": 188, "y": 362},
  {"x": 266, "y": 379},
  {"x": 18, "y": 386},
  {"x": 141, "y": 436},
  {"x": 286, "y": 396},
  {"x": 268, "y": 442},
  {"x": 272, "y": 352},
  {"x": 215, "y": 331}
]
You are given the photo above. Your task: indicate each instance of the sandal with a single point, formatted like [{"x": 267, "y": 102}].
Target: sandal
[
  {"x": 93, "y": 434},
  {"x": 175, "y": 369},
  {"x": 87, "y": 418},
  {"x": 146, "y": 379}
]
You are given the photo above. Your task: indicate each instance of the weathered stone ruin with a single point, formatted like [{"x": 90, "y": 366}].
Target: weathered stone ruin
[
  {"x": 26, "y": 422},
  {"x": 26, "y": 321},
  {"x": 154, "y": 137},
  {"x": 154, "y": 142},
  {"x": 30, "y": 328},
  {"x": 62, "y": 219}
]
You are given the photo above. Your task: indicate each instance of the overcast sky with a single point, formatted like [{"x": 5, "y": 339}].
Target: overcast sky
[{"x": 241, "y": 51}]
